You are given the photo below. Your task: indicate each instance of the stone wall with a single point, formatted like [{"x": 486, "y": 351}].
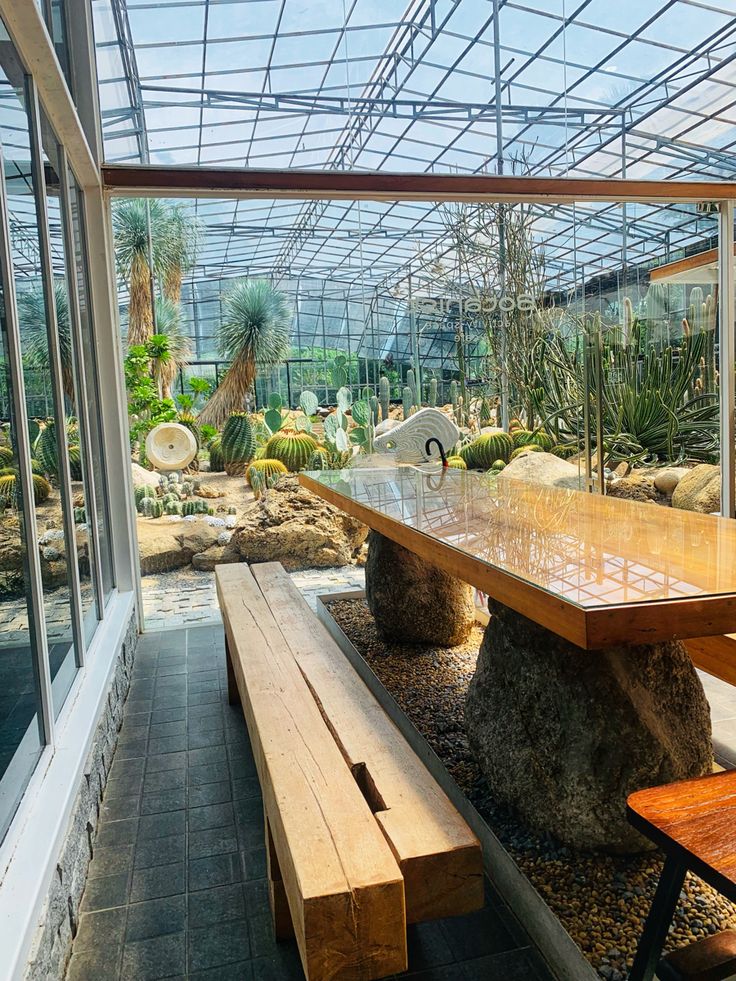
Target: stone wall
[{"x": 58, "y": 924}]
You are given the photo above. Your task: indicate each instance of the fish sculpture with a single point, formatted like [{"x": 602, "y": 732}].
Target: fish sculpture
[{"x": 408, "y": 440}]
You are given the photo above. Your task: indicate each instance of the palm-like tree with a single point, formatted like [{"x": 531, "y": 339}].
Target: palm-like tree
[
  {"x": 255, "y": 331},
  {"x": 34, "y": 337},
  {"x": 174, "y": 237},
  {"x": 169, "y": 348},
  {"x": 183, "y": 233}
]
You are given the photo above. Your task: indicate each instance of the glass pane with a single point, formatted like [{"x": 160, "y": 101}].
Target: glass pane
[
  {"x": 74, "y": 430},
  {"x": 20, "y": 715},
  {"x": 47, "y": 420},
  {"x": 89, "y": 358}
]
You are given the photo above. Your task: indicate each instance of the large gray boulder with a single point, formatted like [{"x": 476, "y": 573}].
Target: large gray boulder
[
  {"x": 564, "y": 735},
  {"x": 544, "y": 468},
  {"x": 412, "y": 601},
  {"x": 699, "y": 490},
  {"x": 288, "y": 524}
]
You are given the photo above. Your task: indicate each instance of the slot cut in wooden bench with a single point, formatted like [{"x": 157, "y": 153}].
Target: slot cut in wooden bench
[{"x": 360, "y": 838}]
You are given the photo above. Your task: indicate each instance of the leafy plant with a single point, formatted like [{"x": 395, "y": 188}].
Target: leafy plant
[
  {"x": 255, "y": 331},
  {"x": 32, "y": 321}
]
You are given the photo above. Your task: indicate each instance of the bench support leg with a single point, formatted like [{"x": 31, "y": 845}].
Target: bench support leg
[
  {"x": 659, "y": 920},
  {"x": 233, "y": 695},
  {"x": 283, "y": 927}
]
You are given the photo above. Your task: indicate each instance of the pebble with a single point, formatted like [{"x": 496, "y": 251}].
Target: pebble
[{"x": 601, "y": 900}]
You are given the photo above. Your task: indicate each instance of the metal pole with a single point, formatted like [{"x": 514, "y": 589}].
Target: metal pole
[
  {"x": 726, "y": 356},
  {"x": 504, "y": 377}
]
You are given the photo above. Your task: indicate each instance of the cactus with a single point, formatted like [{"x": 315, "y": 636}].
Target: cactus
[
  {"x": 628, "y": 321},
  {"x": 46, "y": 447},
  {"x": 173, "y": 506},
  {"x": 293, "y": 449},
  {"x": 384, "y": 392},
  {"x": 497, "y": 465},
  {"x": 80, "y": 516},
  {"x": 10, "y": 489},
  {"x": 36, "y": 467},
  {"x": 523, "y": 437},
  {"x": 411, "y": 382},
  {"x": 308, "y": 403},
  {"x": 157, "y": 510},
  {"x": 407, "y": 400},
  {"x": 187, "y": 488},
  {"x": 432, "y": 396},
  {"x": 231, "y": 509},
  {"x": 373, "y": 402},
  {"x": 238, "y": 444},
  {"x": 75, "y": 462},
  {"x": 189, "y": 507},
  {"x": 486, "y": 449},
  {"x": 456, "y": 463},
  {"x": 152, "y": 507},
  {"x": 263, "y": 468},
  {"x": 189, "y": 421},
  {"x": 6, "y": 456},
  {"x": 217, "y": 464},
  {"x": 141, "y": 492},
  {"x": 528, "y": 448}
]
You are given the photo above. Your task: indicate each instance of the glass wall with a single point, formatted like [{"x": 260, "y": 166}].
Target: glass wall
[{"x": 55, "y": 555}]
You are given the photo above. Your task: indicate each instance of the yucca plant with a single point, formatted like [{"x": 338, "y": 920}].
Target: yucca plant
[
  {"x": 33, "y": 330},
  {"x": 255, "y": 331},
  {"x": 174, "y": 236}
]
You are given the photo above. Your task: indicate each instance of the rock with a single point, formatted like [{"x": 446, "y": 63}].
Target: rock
[
  {"x": 206, "y": 490},
  {"x": 290, "y": 525},
  {"x": 637, "y": 487},
  {"x": 699, "y": 490},
  {"x": 215, "y": 555},
  {"x": 143, "y": 476},
  {"x": 666, "y": 480},
  {"x": 196, "y": 536},
  {"x": 412, "y": 601},
  {"x": 565, "y": 735},
  {"x": 544, "y": 468},
  {"x": 164, "y": 546}
]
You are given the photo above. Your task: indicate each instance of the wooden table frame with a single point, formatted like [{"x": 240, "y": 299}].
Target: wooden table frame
[{"x": 591, "y": 628}]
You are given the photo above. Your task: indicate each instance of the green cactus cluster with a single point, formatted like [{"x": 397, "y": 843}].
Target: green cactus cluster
[
  {"x": 193, "y": 507},
  {"x": 141, "y": 492},
  {"x": 152, "y": 507},
  {"x": 80, "y": 516},
  {"x": 238, "y": 444},
  {"x": 524, "y": 437},
  {"x": 264, "y": 468},
  {"x": 292, "y": 448},
  {"x": 486, "y": 449}
]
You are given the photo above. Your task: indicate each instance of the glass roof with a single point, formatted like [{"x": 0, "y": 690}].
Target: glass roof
[{"x": 637, "y": 88}]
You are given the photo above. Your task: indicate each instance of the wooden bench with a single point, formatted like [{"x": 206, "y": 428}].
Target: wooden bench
[
  {"x": 714, "y": 655},
  {"x": 694, "y": 823},
  {"x": 282, "y": 662}
]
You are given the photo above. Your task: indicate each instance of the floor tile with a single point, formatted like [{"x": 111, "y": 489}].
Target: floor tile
[
  {"x": 156, "y": 917},
  {"x": 157, "y": 957}
]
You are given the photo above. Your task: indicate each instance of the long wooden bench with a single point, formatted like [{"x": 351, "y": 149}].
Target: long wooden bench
[
  {"x": 714, "y": 655},
  {"x": 343, "y": 885},
  {"x": 274, "y": 640}
]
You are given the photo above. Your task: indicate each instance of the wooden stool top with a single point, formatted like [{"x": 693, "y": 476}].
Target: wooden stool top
[{"x": 694, "y": 821}]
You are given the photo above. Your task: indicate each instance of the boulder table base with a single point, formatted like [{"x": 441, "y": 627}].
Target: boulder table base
[
  {"x": 412, "y": 601},
  {"x": 564, "y": 735}
]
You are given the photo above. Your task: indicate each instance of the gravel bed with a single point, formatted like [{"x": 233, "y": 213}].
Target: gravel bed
[{"x": 601, "y": 900}]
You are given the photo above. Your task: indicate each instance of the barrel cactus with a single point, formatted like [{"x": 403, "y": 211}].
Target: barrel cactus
[
  {"x": 152, "y": 507},
  {"x": 293, "y": 449},
  {"x": 189, "y": 421},
  {"x": 264, "y": 468},
  {"x": 6, "y": 456},
  {"x": 10, "y": 489},
  {"x": 523, "y": 437},
  {"x": 80, "y": 516},
  {"x": 173, "y": 506},
  {"x": 497, "y": 465},
  {"x": 157, "y": 508},
  {"x": 238, "y": 444},
  {"x": 456, "y": 463},
  {"x": 521, "y": 450},
  {"x": 486, "y": 448},
  {"x": 46, "y": 447},
  {"x": 564, "y": 452}
]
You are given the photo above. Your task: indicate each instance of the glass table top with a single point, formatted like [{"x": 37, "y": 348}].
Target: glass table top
[{"x": 587, "y": 550}]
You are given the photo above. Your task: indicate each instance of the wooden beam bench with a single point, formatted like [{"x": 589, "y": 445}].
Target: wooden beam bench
[
  {"x": 337, "y": 778},
  {"x": 714, "y": 655}
]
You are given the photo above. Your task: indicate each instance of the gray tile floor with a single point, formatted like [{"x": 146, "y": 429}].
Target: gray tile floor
[{"x": 176, "y": 886}]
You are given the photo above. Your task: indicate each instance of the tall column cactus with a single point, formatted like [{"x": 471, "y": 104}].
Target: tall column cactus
[
  {"x": 432, "y": 394},
  {"x": 411, "y": 382},
  {"x": 408, "y": 400},
  {"x": 384, "y": 393}
]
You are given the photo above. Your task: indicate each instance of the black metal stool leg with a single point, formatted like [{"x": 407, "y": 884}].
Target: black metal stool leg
[{"x": 659, "y": 920}]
